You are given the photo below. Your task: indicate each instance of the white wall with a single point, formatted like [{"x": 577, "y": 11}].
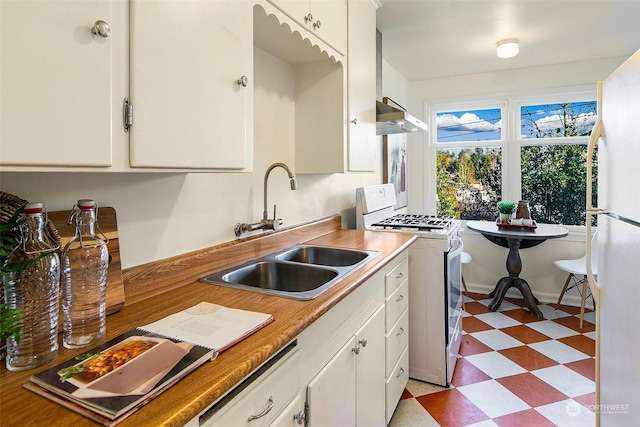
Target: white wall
[
  {"x": 165, "y": 214},
  {"x": 489, "y": 259}
]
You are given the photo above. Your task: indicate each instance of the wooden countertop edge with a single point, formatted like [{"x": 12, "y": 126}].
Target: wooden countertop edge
[{"x": 209, "y": 383}]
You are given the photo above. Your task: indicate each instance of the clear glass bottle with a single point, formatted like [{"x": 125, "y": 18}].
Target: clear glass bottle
[
  {"x": 85, "y": 261},
  {"x": 34, "y": 291}
]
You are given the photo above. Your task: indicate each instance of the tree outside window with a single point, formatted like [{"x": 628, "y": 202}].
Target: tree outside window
[{"x": 547, "y": 144}]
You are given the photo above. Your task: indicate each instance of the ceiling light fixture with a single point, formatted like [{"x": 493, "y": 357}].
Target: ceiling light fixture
[{"x": 508, "y": 48}]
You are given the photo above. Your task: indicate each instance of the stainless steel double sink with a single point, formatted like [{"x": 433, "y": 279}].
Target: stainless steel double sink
[{"x": 299, "y": 272}]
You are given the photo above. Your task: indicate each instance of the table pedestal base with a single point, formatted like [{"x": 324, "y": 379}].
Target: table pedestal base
[{"x": 503, "y": 286}]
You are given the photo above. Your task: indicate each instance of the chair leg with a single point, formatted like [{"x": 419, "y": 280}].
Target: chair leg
[
  {"x": 584, "y": 297},
  {"x": 464, "y": 284},
  {"x": 564, "y": 289}
]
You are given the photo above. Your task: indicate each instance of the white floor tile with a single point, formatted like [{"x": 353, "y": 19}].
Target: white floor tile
[
  {"x": 506, "y": 305},
  {"x": 410, "y": 413},
  {"x": 495, "y": 365},
  {"x": 566, "y": 380},
  {"x": 487, "y": 423},
  {"x": 552, "y": 329},
  {"x": 558, "y": 351},
  {"x": 549, "y": 313},
  {"x": 568, "y": 413},
  {"x": 496, "y": 339},
  {"x": 493, "y": 399},
  {"x": 419, "y": 388},
  {"x": 591, "y": 335},
  {"x": 497, "y": 320},
  {"x": 589, "y": 317}
]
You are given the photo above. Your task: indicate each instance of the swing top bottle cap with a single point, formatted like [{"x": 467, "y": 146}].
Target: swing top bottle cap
[
  {"x": 86, "y": 203},
  {"x": 33, "y": 208}
]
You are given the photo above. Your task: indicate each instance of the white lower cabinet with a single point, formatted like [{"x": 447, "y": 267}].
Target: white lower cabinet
[
  {"x": 349, "y": 391},
  {"x": 397, "y": 334}
]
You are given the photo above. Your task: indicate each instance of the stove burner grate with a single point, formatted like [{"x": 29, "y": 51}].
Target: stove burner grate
[{"x": 416, "y": 221}]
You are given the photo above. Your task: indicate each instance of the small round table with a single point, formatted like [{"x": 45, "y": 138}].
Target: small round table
[{"x": 514, "y": 239}]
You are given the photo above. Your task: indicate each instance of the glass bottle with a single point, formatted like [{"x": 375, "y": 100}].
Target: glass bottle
[
  {"x": 34, "y": 291},
  {"x": 85, "y": 261}
]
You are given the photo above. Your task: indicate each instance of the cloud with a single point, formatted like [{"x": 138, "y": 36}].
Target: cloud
[
  {"x": 468, "y": 122},
  {"x": 554, "y": 121}
]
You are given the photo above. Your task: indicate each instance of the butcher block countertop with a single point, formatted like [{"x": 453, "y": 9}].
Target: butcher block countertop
[{"x": 156, "y": 290}]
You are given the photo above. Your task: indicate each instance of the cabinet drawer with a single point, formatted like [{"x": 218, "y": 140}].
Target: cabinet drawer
[
  {"x": 396, "y": 383},
  {"x": 395, "y": 277},
  {"x": 396, "y": 342},
  {"x": 275, "y": 391},
  {"x": 396, "y": 304}
]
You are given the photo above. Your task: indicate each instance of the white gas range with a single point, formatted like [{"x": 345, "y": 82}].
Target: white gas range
[{"x": 435, "y": 281}]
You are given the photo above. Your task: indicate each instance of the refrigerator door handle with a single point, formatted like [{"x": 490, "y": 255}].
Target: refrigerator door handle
[
  {"x": 593, "y": 283},
  {"x": 596, "y": 133}
]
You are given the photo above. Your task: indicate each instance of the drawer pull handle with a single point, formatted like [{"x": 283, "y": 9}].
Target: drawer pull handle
[
  {"x": 399, "y": 276},
  {"x": 400, "y": 332},
  {"x": 263, "y": 413},
  {"x": 400, "y": 373},
  {"x": 400, "y": 298}
]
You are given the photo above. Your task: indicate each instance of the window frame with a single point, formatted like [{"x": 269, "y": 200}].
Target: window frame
[{"x": 511, "y": 141}]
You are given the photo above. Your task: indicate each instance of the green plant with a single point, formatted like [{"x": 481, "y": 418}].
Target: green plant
[{"x": 506, "y": 207}]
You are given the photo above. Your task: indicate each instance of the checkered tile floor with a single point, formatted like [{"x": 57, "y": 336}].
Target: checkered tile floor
[{"x": 514, "y": 370}]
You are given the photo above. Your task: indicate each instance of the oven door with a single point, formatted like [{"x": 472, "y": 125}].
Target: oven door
[{"x": 453, "y": 280}]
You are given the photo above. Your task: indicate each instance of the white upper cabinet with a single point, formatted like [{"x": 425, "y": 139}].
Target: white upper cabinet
[
  {"x": 55, "y": 83},
  {"x": 326, "y": 19},
  {"x": 362, "y": 153},
  {"x": 192, "y": 84}
]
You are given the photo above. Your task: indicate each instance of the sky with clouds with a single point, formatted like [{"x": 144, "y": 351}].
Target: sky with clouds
[{"x": 486, "y": 125}]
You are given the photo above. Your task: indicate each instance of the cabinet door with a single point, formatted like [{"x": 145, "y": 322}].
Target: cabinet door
[
  {"x": 370, "y": 368},
  {"x": 330, "y": 23},
  {"x": 362, "y": 86},
  {"x": 332, "y": 393},
  {"x": 186, "y": 59},
  {"x": 55, "y": 83}
]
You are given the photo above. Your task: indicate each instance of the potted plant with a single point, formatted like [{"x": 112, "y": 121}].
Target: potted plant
[
  {"x": 505, "y": 210},
  {"x": 10, "y": 236}
]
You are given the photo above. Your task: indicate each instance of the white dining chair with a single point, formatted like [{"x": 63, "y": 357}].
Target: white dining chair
[
  {"x": 465, "y": 258},
  {"x": 577, "y": 269}
]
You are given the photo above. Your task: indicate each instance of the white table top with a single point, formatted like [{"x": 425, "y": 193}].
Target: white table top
[{"x": 543, "y": 231}]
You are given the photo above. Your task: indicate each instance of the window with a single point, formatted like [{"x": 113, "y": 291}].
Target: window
[{"x": 513, "y": 149}]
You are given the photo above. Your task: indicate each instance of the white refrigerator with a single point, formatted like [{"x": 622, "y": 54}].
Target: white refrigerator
[{"x": 616, "y": 288}]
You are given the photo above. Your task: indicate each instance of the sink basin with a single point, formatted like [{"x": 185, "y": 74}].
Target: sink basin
[
  {"x": 323, "y": 255},
  {"x": 281, "y": 276},
  {"x": 300, "y": 272}
]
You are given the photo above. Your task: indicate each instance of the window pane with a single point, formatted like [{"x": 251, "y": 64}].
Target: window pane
[
  {"x": 470, "y": 125},
  {"x": 469, "y": 182},
  {"x": 554, "y": 182},
  {"x": 557, "y": 120}
]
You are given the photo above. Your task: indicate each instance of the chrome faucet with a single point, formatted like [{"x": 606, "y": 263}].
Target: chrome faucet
[{"x": 266, "y": 223}]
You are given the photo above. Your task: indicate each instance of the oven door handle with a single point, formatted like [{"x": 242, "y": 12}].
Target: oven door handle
[{"x": 457, "y": 246}]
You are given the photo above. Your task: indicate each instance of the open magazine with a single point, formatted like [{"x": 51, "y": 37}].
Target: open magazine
[{"x": 109, "y": 382}]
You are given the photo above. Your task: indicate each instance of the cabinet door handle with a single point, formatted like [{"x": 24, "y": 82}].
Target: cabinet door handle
[
  {"x": 400, "y": 332},
  {"x": 363, "y": 341},
  {"x": 317, "y": 24},
  {"x": 400, "y": 373},
  {"x": 263, "y": 413},
  {"x": 242, "y": 81},
  {"x": 400, "y": 298},
  {"x": 308, "y": 17},
  {"x": 354, "y": 121},
  {"x": 300, "y": 417},
  {"x": 101, "y": 28},
  {"x": 356, "y": 349},
  {"x": 399, "y": 276}
]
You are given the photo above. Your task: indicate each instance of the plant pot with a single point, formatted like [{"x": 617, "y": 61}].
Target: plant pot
[{"x": 505, "y": 218}]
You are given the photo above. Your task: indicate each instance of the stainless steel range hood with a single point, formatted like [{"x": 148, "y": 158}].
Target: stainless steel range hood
[{"x": 395, "y": 119}]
